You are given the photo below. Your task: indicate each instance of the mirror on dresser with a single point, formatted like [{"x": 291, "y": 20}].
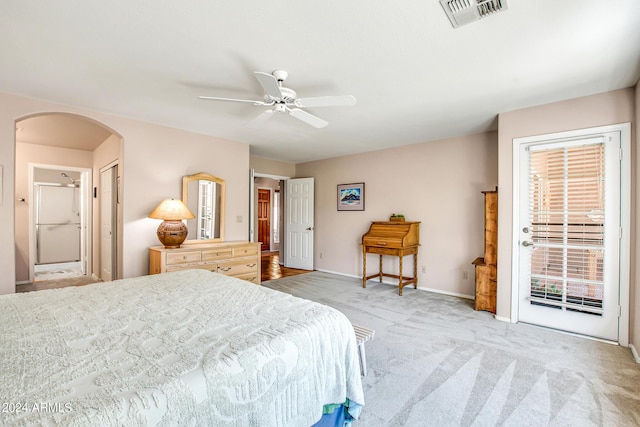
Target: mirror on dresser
[{"x": 204, "y": 195}]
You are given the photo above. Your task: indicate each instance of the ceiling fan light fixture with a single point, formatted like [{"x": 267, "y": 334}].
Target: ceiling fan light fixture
[
  {"x": 462, "y": 12},
  {"x": 280, "y": 75}
]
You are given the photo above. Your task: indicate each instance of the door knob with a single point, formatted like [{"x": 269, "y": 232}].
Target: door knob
[
  {"x": 527, "y": 243},
  {"x": 309, "y": 228}
]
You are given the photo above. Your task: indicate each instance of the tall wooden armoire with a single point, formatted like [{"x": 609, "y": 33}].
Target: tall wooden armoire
[{"x": 486, "y": 267}]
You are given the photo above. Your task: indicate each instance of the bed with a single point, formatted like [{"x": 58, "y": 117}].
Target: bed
[{"x": 184, "y": 348}]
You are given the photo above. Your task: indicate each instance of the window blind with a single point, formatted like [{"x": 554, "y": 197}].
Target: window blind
[{"x": 566, "y": 213}]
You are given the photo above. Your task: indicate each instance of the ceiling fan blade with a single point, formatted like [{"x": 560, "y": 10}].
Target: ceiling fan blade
[
  {"x": 307, "y": 118},
  {"x": 326, "y": 101},
  {"x": 269, "y": 83},
  {"x": 261, "y": 119},
  {"x": 215, "y": 98}
]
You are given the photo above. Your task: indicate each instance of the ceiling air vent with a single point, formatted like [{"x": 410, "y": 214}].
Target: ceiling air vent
[{"x": 462, "y": 12}]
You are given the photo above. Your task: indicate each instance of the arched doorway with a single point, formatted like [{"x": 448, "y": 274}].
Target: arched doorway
[{"x": 72, "y": 150}]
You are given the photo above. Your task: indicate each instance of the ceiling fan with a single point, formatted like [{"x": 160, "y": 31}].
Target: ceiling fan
[{"x": 283, "y": 99}]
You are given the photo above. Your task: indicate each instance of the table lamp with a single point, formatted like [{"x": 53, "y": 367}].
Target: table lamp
[{"x": 172, "y": 231}]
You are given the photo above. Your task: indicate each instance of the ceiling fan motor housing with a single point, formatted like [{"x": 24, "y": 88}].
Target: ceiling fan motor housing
[{"x": 288, "y": 96}]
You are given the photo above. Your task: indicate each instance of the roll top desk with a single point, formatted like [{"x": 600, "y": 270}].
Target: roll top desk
[{"x": 394, "y": 238}]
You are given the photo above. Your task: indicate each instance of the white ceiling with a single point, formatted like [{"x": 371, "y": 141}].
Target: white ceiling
[{"x": 415, "y": 77}]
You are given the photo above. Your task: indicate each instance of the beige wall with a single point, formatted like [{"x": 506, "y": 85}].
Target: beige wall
[
  {"x": 597, "y": 110},
  {"x": 43, "y": 155},
  {"x": 438, "y": 183},
  {"x": 272, "y": 167},
  {"x": 155, "y": 159}
]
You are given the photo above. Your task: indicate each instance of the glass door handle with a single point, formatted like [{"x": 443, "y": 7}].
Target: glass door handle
[{"x": 527, "y": 243}]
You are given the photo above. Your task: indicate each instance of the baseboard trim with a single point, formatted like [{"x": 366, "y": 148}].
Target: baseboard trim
[
  {"x": 338, "y": 273},
  {"x": 388, "y": 282},
  {"x": 503, "y": 319},
  {"x": 23, "y": 282},
  {"x": 451, "y": 294},
  {"x": 634, "y": 352}
]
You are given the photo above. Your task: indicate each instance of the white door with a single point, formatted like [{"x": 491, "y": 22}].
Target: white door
[
  {"x": 568, "y": 234},
  {"x": 299, "y": 223},
  {"x": 108, "y": 223}
]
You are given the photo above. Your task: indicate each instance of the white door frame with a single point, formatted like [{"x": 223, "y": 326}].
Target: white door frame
[
  {"x": 252, "y": 199},
  {"x": 625, "y": 216},
  {"x": 85, "y": 218}
]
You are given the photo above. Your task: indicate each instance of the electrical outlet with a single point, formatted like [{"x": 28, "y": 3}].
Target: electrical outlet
[
  {"x": 465, "y": 275},
  {"x": 321, "y": 255},
  {"x": 424, "y": 268}
]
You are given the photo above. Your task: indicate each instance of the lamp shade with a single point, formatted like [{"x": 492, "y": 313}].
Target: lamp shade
[
  {"x": 173, "y": 210},
  {"x": 172, "y": 232}
]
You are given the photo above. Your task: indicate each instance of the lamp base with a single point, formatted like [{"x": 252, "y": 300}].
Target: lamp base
[{"x": 172, "y": 233}]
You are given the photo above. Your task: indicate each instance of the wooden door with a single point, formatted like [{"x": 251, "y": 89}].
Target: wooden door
[{"x": 264, "y": 218}]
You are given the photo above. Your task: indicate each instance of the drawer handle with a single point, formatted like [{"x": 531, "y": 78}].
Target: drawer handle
[
  {"x": 225, "y": 268},
  {"x": 382, "y": 243},
  {"x": 251, "y": 265}
]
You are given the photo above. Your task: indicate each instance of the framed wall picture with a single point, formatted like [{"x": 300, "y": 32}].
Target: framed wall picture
[{"x": 351, "y": 197}]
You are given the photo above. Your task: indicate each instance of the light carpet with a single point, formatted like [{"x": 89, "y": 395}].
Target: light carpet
[{"x": 435, "y": 361}]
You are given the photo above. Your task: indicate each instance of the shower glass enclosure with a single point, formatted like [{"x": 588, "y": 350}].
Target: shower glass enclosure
[{"x": 58, "y": 222}]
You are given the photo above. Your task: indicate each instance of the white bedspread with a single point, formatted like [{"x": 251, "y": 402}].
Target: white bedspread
[{"x": 185, "y": 348}]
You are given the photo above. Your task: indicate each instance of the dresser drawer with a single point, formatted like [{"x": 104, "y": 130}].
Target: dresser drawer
[
  {"x": 239, "y": 266},
  {"x": 249, "y": 277},
  {"x": 215, "y": 254},
  {"x": 245, "y": 251},
  {"x": 211, "y": 266},
  {"x": 183, "y": 257}
]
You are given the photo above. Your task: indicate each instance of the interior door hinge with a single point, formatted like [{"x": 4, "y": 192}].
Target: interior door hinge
[
  {"x": 620, "y": 154},
  {"x": 619, "y": 233},
  {"x": 619, "y": 311}
]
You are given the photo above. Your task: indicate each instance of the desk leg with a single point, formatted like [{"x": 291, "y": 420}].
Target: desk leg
[
  {"x": 364, "y": 267},
  {"x": 380, "y": 269},
  {"x": 400, "y": 278}
]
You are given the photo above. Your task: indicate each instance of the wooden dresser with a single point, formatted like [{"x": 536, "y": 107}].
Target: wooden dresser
[
  {"x": 237, "y": 259},
  {"x": 486, "y": 267},
  {"x": 394, "y": 238}
]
